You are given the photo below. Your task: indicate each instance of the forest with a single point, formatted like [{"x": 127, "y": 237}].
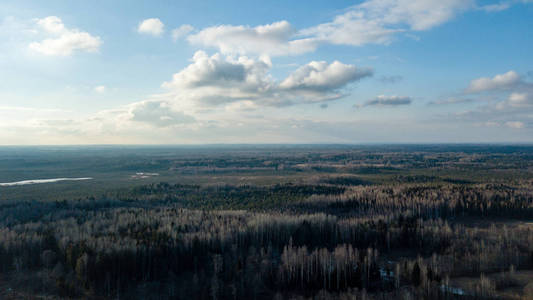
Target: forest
[{"x": 268, "y": 222}]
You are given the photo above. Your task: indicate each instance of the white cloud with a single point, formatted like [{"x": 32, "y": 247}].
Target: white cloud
[
  {"x": 383, "y": 100},
  {"x": 515, "y": 124},
  {"x": 271, "y": 39},
  {"x": 181, "y": 31},
  {"x": 371, "y": 22},
  {"x": 100, "y": 89},
  {"x": 213, "y": 80},
  {"x": 64, "y": 41},
  {"x": 501, "y": 81},
  {"x": 216, "y": 70},
  {"x": 377, "y": 21},
  {"x": 52, "y": 24},
  {"x": 418, "y": 14},
  {"x": 220, "y": 80},
  {"x": 352, "y": 28},
  {"x": 152, "y": 26},
  {"x": 495, "y": 7},
  {"x": 320, "y": 76}
]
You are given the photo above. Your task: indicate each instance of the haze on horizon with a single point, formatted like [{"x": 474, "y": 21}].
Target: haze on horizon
[{"x": 181, "y": 72}]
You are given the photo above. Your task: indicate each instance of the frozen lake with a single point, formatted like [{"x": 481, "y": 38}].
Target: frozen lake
[{"x": 37, "y": 181}]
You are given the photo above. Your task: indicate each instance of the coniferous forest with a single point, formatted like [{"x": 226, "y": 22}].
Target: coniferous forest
[{"x": 267, "y": 222}]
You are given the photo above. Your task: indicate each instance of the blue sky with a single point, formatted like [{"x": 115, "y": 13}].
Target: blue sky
[{"x": 190, "y": 72}]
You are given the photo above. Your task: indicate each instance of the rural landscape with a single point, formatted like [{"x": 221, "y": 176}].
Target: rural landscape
[
  {"x": 268, "y": 222},
  {"x": 258, "y": 150}
]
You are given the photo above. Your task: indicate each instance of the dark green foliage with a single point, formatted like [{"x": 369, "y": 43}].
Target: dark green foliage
[{"x": 416, "y": 276}]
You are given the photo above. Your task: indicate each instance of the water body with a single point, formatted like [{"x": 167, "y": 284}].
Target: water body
[
  {"x": 141, "y": 175},
  {"x": 37, "y": 181}
]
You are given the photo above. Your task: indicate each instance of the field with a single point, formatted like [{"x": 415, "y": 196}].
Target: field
[{"x": 267, "y": 221}]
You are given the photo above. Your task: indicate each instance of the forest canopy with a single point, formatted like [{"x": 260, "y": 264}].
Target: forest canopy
[{"x": 312, "y": 222}]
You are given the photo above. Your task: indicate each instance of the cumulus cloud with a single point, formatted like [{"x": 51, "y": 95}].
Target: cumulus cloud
[
  {"x": 217, "y": 70},
  {"x": 219, "y": 80},
  {"x": 383, "y": 100},
  {"x": 63, "y": 41},
  {"x": 320, "y": 76},
  {"x": 181, "y": 31},
  {"x": 152, "y": 26},
  {"x": 500, "y": 81},
  {"x": 271, "y": 39}
]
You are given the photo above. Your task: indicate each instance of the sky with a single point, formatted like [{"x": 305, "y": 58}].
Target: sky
[{"x": 233, "y": 72}]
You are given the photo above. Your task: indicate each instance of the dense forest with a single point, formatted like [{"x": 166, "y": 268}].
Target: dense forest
[{"x": 398, "y": 222}]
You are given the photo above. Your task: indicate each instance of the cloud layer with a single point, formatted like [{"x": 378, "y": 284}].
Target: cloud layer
[
  {"x": 216, "y": 80},
  {"x": 509, "y": 98},
  {"x": 231, "y": 95},
  {"x": 371, "y": 22}
]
